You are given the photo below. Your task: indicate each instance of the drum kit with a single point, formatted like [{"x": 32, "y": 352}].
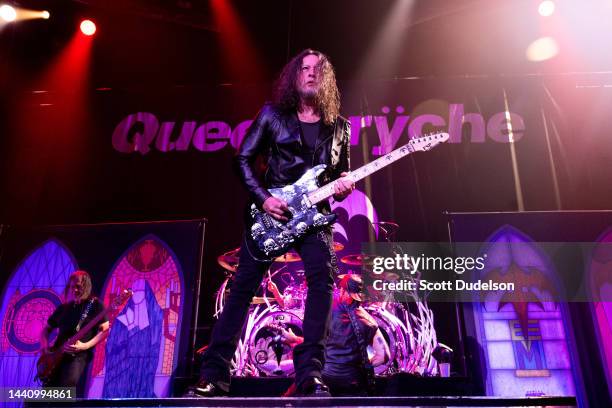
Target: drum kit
[{"x": 262, "y": 351}]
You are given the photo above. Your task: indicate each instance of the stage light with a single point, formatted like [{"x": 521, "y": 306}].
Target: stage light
[
  {"x": 546, "y": 8},
  {"x": 7, "y": 13},
  {"x": 542, "y": 49},
  {"x": 24, "y": 14},
  {"x": 88, "y": 27},
  {"x": 12, "y": 14}
]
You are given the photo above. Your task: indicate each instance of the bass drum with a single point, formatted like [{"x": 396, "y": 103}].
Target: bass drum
[
  {"x": 267, "y": 352},
  {"x": 396, "y": 335}
]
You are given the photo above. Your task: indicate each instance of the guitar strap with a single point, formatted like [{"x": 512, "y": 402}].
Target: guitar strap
[
  {"x": 85, "y": 313},
  {"x": 340, "y": 134}
]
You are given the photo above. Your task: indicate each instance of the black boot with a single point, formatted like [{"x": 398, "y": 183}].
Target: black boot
[
  {"x": 313, "y": 387},
  {"x": 205, "y": 389}
]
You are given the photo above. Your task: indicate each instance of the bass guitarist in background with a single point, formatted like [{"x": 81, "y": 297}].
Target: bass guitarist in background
[
  {"x": 299, "y": 130},
  {"x": 79, "y": 308}
]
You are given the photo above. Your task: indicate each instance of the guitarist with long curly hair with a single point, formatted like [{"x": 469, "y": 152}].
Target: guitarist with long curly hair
[
  {"x": 78, "y": 309},
  {"x": 300, "y": 130}
]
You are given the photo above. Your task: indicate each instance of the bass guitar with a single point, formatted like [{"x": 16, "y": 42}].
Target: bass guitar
[{"x": 47, "y": 363}]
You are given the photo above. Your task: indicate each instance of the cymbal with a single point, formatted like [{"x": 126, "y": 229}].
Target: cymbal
[
  {"x": 387, "y": 227},
  {"x": 288, "y": 257},
  {"x": 358, "y": 260},
  {"x": 258, "y": 300},
  {"x": 338, "y": 246},
  {"x": 229, "y": 260}
]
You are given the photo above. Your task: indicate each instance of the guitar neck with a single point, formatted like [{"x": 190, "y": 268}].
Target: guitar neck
[
  {"x": 111, "y": 311},
  {"x": 326, "y": 191},
  {"x": 85, "y": 329}
]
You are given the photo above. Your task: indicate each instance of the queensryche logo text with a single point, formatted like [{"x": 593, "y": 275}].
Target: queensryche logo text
[
  {"x": 142, "y": 132},
  {"x": 424, "y": 263}
]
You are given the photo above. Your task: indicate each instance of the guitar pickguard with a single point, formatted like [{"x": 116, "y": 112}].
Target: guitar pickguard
[{"x": 273, "y": 237}]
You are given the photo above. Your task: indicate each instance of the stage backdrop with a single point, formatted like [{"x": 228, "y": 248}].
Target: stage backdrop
[
  {"x": 151, "y": 337},
  {"x": 159, "y": 152},
  {"x": 164, "y": 152},
  {"x": 149, "y": 152},
  {"x": 531, "y": 345}
]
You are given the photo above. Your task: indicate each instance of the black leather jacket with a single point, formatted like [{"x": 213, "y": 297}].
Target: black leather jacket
[{"x": 276, "y": 135}]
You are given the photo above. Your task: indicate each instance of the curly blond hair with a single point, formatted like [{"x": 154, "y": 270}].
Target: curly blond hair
[{"x": 286, "y": 96}]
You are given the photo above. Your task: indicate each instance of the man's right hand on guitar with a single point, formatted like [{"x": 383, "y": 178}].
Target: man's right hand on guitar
[{"x": 276, "y": 208}]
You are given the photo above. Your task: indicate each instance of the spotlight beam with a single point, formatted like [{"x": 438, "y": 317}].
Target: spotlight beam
[{"x": 10, "y": 14}]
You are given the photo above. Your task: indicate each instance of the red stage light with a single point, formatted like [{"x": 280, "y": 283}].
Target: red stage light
[{"x": 88, "y": 27}]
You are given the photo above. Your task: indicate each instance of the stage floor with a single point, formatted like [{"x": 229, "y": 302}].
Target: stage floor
[
  {"x": 458, "y": 401},
  {"x": 399, "y": 390}
]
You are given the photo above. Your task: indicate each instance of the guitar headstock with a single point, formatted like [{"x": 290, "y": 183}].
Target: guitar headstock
[
  {"x": 429, "y": 141},
  {"x": 118, "y": 303}
]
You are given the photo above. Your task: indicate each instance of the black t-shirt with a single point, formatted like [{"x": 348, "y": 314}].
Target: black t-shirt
[
  {"x": 67, "y": 315},
  {"x": 310, "y": 135}
]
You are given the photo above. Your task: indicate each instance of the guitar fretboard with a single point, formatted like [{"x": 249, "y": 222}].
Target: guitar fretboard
[{"x": 364, "y": 171}]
